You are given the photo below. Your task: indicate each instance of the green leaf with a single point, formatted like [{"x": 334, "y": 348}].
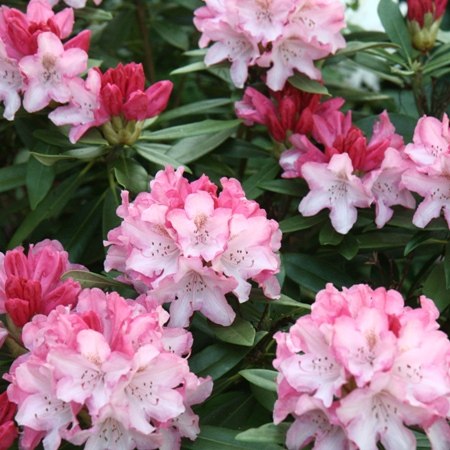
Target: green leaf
[
  {"x": 435, "y": 287},
  {"x": 171, "y": 33},
  {"x": 377, "y": 240},
  {"x": 284, "y": 300},
  {"x": 192, "y": 67},
  {"x": 194, "y": 108},
  {"x": 110, "y": 219},
  {"x": 305, "y": 84},
  {"x": 354, "y": 47},
  {"x": 313, "y": 272},
  {"x": 268, "y": 433},
  {"x": 240, "y": 332},
  {"x": 39, "y": 181},
  {"x": 395, "y": 27},
  {"x": 50, "y": 206},
  {"x": 287, "y": 187},
  {"x": 12, "y": 177},
  {"x": 329, "y": 236},
  {"x": 155, "y": 154},
  {"x": 216, "y": 438},
  {"x": 131, "y": 175},
  {"x": 268, "y": 171},
  {"x": 349, "y": 247},
  {"x": 299, "y": 222},
  {"x": 190, "y": 129},
  {"x": 91, "y": 280},
  {"x": 83, "y": 154},
  {"x": 447, "y": 266},
  {"x": 421, "y": 238},
  {"x": 192, "y": 148},
  {"x": 217, "y": 359},
  {"x": 263, "y": 378}
]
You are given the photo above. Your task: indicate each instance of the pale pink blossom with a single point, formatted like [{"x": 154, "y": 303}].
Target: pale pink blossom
[
  {"x": 334, "y": 186},
  {"x": 11, "y": 83},
  {"x": 362, "y": 369},
  {"x": 49, "y": 71}
]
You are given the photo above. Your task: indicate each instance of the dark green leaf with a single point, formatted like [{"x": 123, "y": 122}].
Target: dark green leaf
[
  {"x": 268, "y": 433},
  {"x": 329, "y": 236},
  {"x": 192, "y": 148},
  {"x": 216, "y": 438},
  {"x": 394, "y": 25},
  {"x": 305, "y": 84},
  {"x": 12, "y": 177},
  {"x": 171, "y": 33},
  {"x": 155, "y": 154},
  {"x": 299, "y": 222},
  {"x": 349, "y": 247},
  {"x": 110, "y": 219},
  {"x": 192, "y": 67},
  {"x": 261, "y": 377},
  {"x": 91, "y": 280},
  {"x": 51, "y": 206},
  {"x": 435, "y": 287},
  {"x": 354, "y": 47},
  {"x": 240, "y": 332},
  {"x": 39, "y": 181},
  {"x": 268, "y": 171},
  {"x": 287, "y": 187},
  {"x": 190, "y": 129},
  {"x": 194, "y": 108},
  {"x": 131, "y": 175}
]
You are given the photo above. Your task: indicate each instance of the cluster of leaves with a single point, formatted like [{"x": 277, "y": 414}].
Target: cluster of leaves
[{"x": 50, "y": 188}]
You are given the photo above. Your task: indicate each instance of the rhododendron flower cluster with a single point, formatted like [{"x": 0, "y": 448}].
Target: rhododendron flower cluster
[
  {"x": 31, "y": 283},
  {"x": 190, "y": 246},
  {"x": 106, "y": 374},
  {"x": 283, "y": 36},
  {"x": 115, "y": 101},
  {"x": 361, "y": 369},
  {"x": 429, "y": 174},
  {"x": 34, "y": 59},
  {"x": 343, "y": 169}
]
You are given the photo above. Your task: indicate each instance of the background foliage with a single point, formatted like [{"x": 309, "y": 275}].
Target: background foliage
[{"x": 50, "y": 188}]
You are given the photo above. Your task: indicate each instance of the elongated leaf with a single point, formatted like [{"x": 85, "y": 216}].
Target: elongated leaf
[
  {"x": 172, "y": 34},
  {"x": 12, "y": 177},
  {"x": 305, "y": 84},
  {"x": 354, "y": 47},
  {"x": 154, "y": 153},
  {"x": 52, "y": 204},
  {"x": 194, "y": 108},
  {"x": 216, "y": 438},
  {"x": 190, "y": 129},
  {"x": 313, "y": 272},
  {"x": 89, "y": 279},
  {"x": 275, "y": 434},
  {"x": 286, "y": 301},
  {"x": 131, "y": 175},
  {"x": 394, "y": 25},
  {"x": 110, "y": 219},
  {"x": 329, "y": 236},
  {"x": 83, "y": 154},
  {"x": 217, "y": 359},
  {"x": 268, "y": 171},
  {"x": 287, "y": 187},
  {"x": 39, "y": 181},
  {"x": 193, "y": 67},
  {"x": 192, "y": 148},
  {"x": 240, "y": 332},
  {"x": 435, "y": 287},
  {"x": 263, "y": 378},
  {"x": 299, "y": 222}
]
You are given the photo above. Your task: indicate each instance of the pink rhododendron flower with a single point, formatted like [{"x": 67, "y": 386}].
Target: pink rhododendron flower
[
  {"x": 113, "y": 358},
  {"x": 49, "y": 72},
  {"x": 11, "y": 83},
  {"x": 31, "y": 283},
  {"x": 20, "y": 32},
  {"x": 334, "y": 186},
  {"x": 190, "y": 247},
  {"x": 283, "y": 35},
  {"x": 360, "y": 370}
]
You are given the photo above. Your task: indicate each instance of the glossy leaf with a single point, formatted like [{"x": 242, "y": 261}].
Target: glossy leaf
[
  {"x": 240, "y": 332},
  {"x": 12, "y": 177},
  {"x": 261, "y": 377}
]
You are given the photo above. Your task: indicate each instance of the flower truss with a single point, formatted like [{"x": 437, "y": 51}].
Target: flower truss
[
  {"x": 284, "y": 36},
  {"x": 361, "y": 369},
  {"x": 188, "y": 245},
  {"x": 106, "y": 374}
]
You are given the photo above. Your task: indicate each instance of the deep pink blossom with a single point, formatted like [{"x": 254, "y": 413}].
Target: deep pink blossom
[{"x": 31, "y": 283}]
